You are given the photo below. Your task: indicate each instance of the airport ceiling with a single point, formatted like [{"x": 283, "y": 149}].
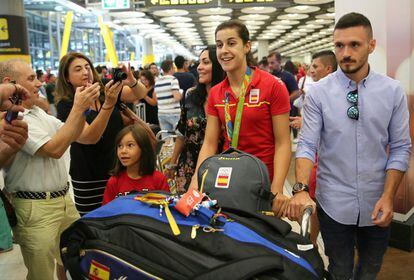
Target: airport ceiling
[{"x": 293, "y": 27}]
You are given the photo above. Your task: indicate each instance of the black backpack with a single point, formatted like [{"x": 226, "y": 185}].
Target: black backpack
[
  {"x": 237, "y": 180},
  {"x": 128, "y": 239}
]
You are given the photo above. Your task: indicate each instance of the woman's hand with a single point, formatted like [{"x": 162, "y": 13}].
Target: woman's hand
[
  {"x": 112, "y": 91},
  {"x": 280, "y": 202},
  {"x": 85, "y": 96},
  {"x": 130, "y": 80}
]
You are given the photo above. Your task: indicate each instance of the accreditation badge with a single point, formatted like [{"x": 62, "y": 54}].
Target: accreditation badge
[{"x": 254, "y": 96}]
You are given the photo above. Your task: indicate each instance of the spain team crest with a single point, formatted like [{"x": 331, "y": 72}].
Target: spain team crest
[
  {"x": 223, "y": 177},
  {"x": 254, "y": 96}
]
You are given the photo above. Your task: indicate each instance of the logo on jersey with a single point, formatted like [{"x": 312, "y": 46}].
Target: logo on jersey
[{"x": 254, "y": 96}]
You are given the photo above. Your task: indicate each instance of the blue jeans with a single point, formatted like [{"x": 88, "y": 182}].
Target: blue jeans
[
  {"x": 168, "y": 122},
  {"x": 340, "y": 241}
]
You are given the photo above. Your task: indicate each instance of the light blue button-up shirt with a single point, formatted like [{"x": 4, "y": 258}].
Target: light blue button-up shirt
[{"x": 353, "y": 156}]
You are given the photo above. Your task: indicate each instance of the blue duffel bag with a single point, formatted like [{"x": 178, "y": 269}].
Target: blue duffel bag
[{"x": 129, "y": 239}]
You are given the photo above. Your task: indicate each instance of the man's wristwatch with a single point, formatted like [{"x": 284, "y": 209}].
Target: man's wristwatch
[{"x": 299, "y": 187}]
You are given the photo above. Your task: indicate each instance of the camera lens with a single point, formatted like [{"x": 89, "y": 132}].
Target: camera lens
[{"x": 120, "y": 76}]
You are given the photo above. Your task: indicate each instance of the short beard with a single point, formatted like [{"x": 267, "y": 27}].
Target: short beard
[{"x": 352, "y": 71}]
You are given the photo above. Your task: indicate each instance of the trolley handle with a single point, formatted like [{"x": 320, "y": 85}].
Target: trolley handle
[
  {"x": 304, "y": 227},
  {"x": 172, "y": 134}
]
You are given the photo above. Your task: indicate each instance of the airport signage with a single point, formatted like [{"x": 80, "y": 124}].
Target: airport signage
[{"x": 116, "y": 4}]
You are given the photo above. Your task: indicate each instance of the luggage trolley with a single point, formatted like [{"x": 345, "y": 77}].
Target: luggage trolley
[{"x": 164, "y": 151}]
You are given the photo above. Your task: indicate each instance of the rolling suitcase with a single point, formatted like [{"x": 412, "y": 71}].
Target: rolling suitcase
[{"x": 129, "y": 239}]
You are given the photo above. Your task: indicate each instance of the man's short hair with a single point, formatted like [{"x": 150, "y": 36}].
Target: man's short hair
[
  {"x": 354, "y": 20},
  {"x": 179, "y": 61},
  {"x": 276, "y": 54},
  {"x": 166, "y": 65},
  {"x": 327, "y": 58},
  {"x": 8, "y": 69}
]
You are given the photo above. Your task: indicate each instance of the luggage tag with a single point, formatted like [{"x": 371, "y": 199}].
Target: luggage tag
[
  {"x": 188, "y": 202},
  {"x": 160, "y": 200}
]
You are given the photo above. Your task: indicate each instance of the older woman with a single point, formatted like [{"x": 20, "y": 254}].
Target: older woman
[{"x": 92, "y": 160}]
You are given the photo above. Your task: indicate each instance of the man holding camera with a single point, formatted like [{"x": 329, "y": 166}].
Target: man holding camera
[{"x": 37, "y": 178}]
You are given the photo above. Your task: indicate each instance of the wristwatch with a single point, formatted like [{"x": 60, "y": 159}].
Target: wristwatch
[{"x": 298, "y": 187}]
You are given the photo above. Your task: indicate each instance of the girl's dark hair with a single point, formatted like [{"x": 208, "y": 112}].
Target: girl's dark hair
[
  {"x": 217, "y": 76},
  {"x": 147, "y": 74},
  {"x": 243, "y": 33},
  {"x": 147, "y": 160},
  {"x": 64, "y": 90}
]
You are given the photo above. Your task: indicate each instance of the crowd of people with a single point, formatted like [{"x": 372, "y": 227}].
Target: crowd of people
[{"x": 350, "y": 154}]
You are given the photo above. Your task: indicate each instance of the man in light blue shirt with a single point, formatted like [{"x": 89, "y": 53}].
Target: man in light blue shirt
[{"x": 358, "y": 122}]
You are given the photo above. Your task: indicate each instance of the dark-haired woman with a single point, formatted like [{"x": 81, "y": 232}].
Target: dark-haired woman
[
  {"x": 262, "y": 106},
  {"x": 92, "y": 160},
  {"x": 193, "y": 120}
]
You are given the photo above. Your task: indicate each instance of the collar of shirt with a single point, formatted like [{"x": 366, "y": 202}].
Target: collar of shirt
[
  {"x": 28, "y": 111},
  {"x": 253, "y": 82},
  {"x": 350, "y": 84}
]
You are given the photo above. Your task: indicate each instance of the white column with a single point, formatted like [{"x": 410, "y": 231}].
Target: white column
[{"x": 262, "y": 49}]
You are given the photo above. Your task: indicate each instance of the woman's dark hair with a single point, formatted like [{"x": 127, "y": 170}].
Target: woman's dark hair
[
  {"x": 147, "y": 74},
  {"x": 217, "y": 76},
  {"x": 147, "y": 161},
  {"x": 290, "y": 67},
  {"x": 243, "y": 33},
  {"x": 64, "y": 90}
]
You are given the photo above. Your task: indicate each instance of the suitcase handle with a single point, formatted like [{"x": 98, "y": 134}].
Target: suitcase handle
[{"x": 244, "y": 268}]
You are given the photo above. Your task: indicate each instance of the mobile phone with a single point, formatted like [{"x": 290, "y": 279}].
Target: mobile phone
[{"x": 15, "y": 99}]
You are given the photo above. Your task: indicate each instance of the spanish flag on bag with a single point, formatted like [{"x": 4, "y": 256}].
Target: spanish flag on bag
[{"x": 98, "y": 271}]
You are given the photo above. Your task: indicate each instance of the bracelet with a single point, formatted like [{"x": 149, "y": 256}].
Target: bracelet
[
  {"x": 134, "y": 85},
  {"x": 108, "y": 108}
]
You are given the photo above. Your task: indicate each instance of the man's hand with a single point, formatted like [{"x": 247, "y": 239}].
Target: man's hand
[
  {"x": 7, "y": 91},
  {"x": 85, "y": 96},
  {"x": 14, "y": 134},
  {"x": 297, "y": 205},
  {"x": 295, "y": 122},
  {"x": 280, "y": 202},
  {"x": 383, "y": 212}
]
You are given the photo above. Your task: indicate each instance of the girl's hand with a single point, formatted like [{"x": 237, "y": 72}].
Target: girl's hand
[
  {"x": 112, "y": 91},
  {"x": 130, "y": 80},
  {"x": 85, "y": 96}
]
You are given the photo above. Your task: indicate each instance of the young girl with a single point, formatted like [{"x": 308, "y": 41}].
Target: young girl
[{"x": 135, "y": 167}]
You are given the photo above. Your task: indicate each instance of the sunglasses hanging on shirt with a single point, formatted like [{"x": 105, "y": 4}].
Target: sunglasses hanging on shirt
[{"x": 353, "y": 111}]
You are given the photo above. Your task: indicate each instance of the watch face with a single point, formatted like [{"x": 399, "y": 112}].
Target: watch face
[{"x": 298, "y": 187}]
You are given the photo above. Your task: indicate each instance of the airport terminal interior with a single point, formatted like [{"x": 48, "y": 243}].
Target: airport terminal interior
[{"x": 142, "y": 33}]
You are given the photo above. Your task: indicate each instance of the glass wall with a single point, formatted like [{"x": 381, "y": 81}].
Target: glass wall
[{"x": 45, "y": 33}]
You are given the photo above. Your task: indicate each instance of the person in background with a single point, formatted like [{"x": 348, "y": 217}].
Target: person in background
[
  {"x": 192, "y": 124},
  {"x": 275, "y": 66},
  {"x": 264, "y": 129},
  {"x": 42, "y": 99},
  {"x": 358, "y": 122},
  {"x": 263, "y": 64},
  {"x": 135, "y": 165},
  {"x": 50, "y": 93},
  {"x": 92, "y": 158},
  {"x": 167, "y": 90},
  {"x": 37, "y": 177},
  {"x": 291, "y": 68},
  {"x": 154, "y": 70},
  {"x": 150, "y": 100},
  {"x": 185, "y": 79}
]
